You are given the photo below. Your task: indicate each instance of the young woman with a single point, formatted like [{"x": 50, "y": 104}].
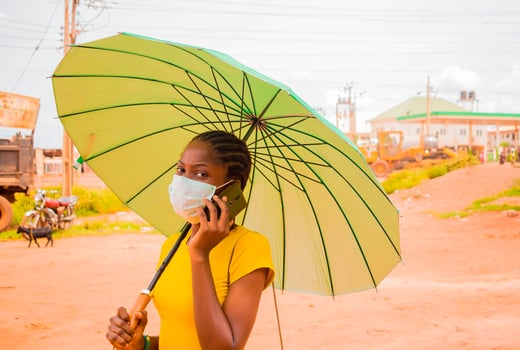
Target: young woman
[{"x": 208, "y": 296}]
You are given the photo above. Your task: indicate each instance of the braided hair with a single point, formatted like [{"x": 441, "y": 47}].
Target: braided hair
[{"x": 230, "y": 151}]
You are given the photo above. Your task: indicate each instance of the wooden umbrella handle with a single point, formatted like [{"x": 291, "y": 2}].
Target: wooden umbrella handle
[{"x": 140, "y": 304}]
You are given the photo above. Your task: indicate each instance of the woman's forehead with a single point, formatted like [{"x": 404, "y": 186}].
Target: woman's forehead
[{"x": 198, "y": 152}]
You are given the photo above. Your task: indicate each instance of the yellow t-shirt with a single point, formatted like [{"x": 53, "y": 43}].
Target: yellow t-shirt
[{"x": 242, "y": 252}]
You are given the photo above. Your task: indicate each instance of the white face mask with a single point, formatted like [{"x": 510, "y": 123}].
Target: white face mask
[{"x": 186, "y": 196}]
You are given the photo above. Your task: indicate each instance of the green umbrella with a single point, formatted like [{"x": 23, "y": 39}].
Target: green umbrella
[{"x": 131, "y": 104}]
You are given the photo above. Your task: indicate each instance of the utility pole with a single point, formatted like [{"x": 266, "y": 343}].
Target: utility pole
[
  {"x": 346, "y": 107},
  {"x": 352, "y": 113},
  {"x": 428, "y": 106},
  {"x": 69, "y": 37}
]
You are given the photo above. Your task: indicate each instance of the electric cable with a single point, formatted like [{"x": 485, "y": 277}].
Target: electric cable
[{"x": 36, "y": 48}]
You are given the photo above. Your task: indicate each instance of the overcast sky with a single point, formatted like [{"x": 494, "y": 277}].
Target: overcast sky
[{"x": 384, "y": 49}]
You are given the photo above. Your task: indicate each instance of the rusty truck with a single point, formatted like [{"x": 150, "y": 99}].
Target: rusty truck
[{"x": 17, "y": 155}]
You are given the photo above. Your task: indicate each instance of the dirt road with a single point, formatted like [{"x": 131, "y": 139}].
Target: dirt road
[{"x": 456, "y": 289}]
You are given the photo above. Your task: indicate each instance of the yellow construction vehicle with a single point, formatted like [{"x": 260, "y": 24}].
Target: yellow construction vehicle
[{"x": 391, "y": 151}]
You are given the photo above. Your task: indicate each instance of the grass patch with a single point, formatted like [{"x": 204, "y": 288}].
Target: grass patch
[
  {"x": 93, "y": 228},
  {"x": 404, "y": 179},
  {"x": 91, "y": 202},
  {"x": 451, "y": 214},
  {"x": 409, "y": 178},
  {"x": 487, "y": 204},
  {"x": 101, "y": 227}
]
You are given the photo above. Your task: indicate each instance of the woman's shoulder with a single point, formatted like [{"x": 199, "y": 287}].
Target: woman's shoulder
[
  {"x": 242, "y": 233},
  {"x": 252, "y": 251},
  {"x": 247, "y": 240}
]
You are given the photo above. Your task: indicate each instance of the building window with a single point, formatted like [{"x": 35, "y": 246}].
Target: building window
[
  {"x": 479, "y": 132},
  {"x": 462, "y": 132},
  {"x": 52, "y": 166},
  {"x": 418, "y": 131},
  {"x": 442, "y": 131}
]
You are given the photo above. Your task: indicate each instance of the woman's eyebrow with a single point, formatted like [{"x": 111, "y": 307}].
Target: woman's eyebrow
[{"x": 194, "y": 165}]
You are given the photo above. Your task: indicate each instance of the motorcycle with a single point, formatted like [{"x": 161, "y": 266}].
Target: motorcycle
[{"x": 50, "y": 212}]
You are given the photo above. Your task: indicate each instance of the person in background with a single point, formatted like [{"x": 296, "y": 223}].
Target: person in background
[
  {"x": 502, "y": 157},
  {"x": 208, "y": 296},
  {"x": 512, "y": 156}
]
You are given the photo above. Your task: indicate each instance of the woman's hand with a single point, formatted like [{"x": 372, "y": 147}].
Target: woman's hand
[
  {"x": 121, "y": 335},
  {"x": 211, "y": 232}
]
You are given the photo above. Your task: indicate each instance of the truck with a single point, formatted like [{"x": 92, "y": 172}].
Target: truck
[
  {"x": 390, "y": 151},
  {"x": 16, "y": 173},
  {"x": 17, "y": 154}
]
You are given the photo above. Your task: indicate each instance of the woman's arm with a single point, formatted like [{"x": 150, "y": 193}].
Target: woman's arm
[{"x": 229, "y": 326}]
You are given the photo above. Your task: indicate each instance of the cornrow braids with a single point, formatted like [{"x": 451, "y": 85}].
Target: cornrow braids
[{"x": 230, "y": 151}]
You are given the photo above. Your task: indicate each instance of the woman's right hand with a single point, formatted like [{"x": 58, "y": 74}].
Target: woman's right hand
[{"x": 121, "y": 335}]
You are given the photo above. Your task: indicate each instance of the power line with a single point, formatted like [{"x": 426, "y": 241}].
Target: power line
[
  {"x": 17, "y": 37},
  {"x": 365, "y": 15},
  {"x": 275, "y": 7},
  {"x": 29, "y": 30},
  {"x": 36, "y": 48},
  {"x": 17, "y": 22}
]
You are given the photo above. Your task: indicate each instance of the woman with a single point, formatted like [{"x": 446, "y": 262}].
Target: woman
[{"x": 209, "y": 294}]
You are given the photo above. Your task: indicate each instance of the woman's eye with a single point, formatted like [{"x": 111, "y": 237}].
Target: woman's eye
[
  {"x": 179, "y": 171},
  {"x": 201, "y": 174}
]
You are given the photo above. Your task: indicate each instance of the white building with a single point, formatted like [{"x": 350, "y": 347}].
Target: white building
[{"x": 454, "y": 126}]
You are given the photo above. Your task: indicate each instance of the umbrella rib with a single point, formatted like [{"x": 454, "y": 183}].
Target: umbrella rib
[
  {"x": 142, "y": 137},
  {"x": 222, "y": 97},
  {"x": 196, "y": 107},
  {"x": 179, "y": 47},
  {"x": 278, "y": 131},
  {"x": 263, "y": 161},
  {"x": 266, "y": 108},
  {"x": 283, "y": 127},
  {"x": 342, "y": 211},
  {"x": 177, "y": 87},
  {"x": 150, "y": 183},
  {"x": 246, "y": 85},
  {"x": 329, "y": 271},
  {"x": 284, "y": 231},
  {"x": 242, "y": 101},
  {"x": 219, "y": 91}
]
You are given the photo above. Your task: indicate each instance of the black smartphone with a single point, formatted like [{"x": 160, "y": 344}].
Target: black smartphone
[{"x": 235, "y": 198}]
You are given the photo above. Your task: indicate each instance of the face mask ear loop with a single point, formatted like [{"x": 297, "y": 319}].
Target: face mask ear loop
[{"x": 224, "y": 184}]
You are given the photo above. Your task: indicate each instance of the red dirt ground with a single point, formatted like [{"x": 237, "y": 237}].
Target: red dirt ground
[{"x": 458, "y": 287}]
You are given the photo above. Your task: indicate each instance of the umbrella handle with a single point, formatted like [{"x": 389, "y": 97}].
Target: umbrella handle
[
  {"x": 144, "y": 298},
  {"x": 140, "y": 304}
]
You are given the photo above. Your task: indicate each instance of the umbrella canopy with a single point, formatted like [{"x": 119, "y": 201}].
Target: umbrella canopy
[{"x": 131, "y": 104}]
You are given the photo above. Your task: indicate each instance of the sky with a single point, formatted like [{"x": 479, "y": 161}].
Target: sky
[{"x": 383, "y": 51}]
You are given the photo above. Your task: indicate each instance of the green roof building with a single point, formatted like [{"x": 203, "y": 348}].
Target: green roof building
[{"x": 453, "y": 125}]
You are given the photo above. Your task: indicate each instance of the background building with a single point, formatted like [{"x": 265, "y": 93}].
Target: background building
[{"x": 454, "y": 126}]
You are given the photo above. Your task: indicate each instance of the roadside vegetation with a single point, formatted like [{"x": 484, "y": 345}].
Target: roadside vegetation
[
  {"x": 488, "y": 204},
  {"x": 91, "y": 203},
  {"x": 408, "y": 178},
  {"x": 97, "y": 202}
]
